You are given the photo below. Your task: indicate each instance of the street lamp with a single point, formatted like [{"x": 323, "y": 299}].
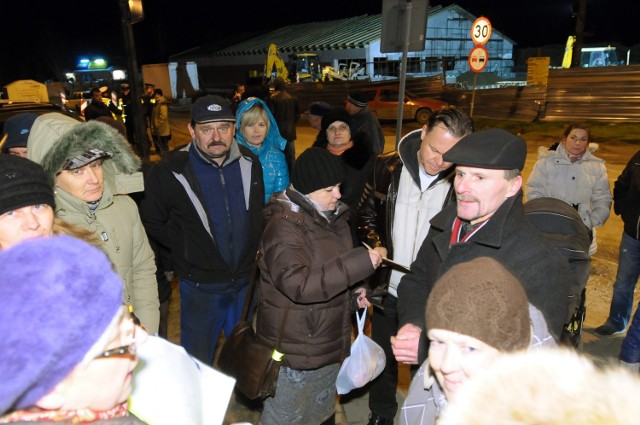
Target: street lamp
[{"x": 130, "y": 13}]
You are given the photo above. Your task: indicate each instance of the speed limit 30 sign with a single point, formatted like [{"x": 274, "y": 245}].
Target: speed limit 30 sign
[{"x": 481, "y": 30}]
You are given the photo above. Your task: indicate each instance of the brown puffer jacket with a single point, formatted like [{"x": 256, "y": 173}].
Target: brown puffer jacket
[{"x": 308, "y": 263}]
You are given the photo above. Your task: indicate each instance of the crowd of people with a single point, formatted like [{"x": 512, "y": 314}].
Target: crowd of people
[{"x": 84, "y": 265}]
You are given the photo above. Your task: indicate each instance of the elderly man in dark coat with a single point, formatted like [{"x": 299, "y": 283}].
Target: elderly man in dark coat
[{"x": 486, "y": 220}]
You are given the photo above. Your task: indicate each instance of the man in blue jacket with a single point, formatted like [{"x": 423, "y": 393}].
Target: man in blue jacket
[{"x": 203, "y": 205}]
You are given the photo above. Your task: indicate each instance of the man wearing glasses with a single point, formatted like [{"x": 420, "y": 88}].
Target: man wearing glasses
[{"x": 203, "y": 207}]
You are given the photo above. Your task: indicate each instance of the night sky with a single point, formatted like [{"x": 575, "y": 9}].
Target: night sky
[{"x": 41, "y": 39}]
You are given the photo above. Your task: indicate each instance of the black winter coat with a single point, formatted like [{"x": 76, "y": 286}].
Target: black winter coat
[
  {"x": 378, "y": 203},
  {"x": 626, "y": 197},
  {"x": 508, "y": 238},
  {"x": 286, "y": 111},
  {"x": 172, "y": 220}
]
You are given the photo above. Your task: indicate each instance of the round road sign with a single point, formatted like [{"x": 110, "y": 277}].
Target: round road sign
[
  {"x": 478, "y": 58},
  {"x": 481, "y": 30}
]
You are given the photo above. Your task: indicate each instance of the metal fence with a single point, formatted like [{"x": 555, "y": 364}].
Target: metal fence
[
  {"x": 609, "y": 93},
  {"x": 335, "y": 92},
  {"x": 590, "y": 94}
]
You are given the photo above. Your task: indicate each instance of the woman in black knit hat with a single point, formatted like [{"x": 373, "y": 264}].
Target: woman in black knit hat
[
  {"x": 308, "y": 269},
  {"x": 353, "y": 150},
  {"x": 27, "y": 204},
  {"x": 26, "y": 201}
]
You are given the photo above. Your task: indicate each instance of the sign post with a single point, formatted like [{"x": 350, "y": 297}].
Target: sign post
[
  {"x": 479, "y": 55},
  {"x": 404, "y": 28}
]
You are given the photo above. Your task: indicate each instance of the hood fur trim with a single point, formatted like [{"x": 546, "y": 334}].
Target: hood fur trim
[{"x": 91, "y": 135}]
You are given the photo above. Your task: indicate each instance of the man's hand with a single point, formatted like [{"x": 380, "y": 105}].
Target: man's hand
[{"x": 405, "y": 344}]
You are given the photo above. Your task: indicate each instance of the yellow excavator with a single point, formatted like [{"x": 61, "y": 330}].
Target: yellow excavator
[
  {"x": 274, "y": 66},
  {"x": 303, "y": 67},
  {"x": 568, "y": 52},
  {"x": 591, "y": 56}
]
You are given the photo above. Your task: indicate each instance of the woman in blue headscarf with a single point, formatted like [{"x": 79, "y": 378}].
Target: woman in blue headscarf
[{"x": 257, "y": 129}]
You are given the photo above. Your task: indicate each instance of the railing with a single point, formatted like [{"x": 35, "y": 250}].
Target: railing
[{"x": 596, "y": 94}]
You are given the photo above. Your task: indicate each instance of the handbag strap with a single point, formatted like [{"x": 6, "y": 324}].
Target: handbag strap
[
  {"x": 247, "y": 301},
  {"x": 252, "y": 284}
]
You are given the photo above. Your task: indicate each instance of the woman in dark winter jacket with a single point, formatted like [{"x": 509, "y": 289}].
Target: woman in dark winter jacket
[
  {"x": 353, "y": 149},
  {"x": 307, "y": 270}
]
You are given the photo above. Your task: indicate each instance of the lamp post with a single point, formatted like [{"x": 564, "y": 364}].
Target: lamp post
[{"x": 130, "y": 13}]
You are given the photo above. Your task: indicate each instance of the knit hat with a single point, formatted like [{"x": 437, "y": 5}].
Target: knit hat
[
  {"x": 23, "y": 183},
  {"x": 319, "y": 108},
  {"x": 481, "y": 299},
  {"x": 17, "y": 128},
  {"x": 211, "y": 108},
  {"x": 315, "y": 169},
  {"x": 494, "y": 148},
  {"x": 58, "y": 296},
  {"x": 335, "y": 114},
  {"x": 358, "y": 98}
]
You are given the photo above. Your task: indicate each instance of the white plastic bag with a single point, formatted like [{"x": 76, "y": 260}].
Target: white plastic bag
[{"x": 366, "y": 362}]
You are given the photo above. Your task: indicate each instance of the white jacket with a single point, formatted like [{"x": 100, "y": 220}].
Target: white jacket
[{"x": 583, "y": 184}]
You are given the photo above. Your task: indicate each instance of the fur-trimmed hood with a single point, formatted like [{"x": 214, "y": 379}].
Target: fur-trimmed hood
[
  {"x": 45, "y": 131},
  {"x": 54, "y": 140}
]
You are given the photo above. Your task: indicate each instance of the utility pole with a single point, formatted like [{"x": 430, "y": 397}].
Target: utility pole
[
  {"x": 577, "y": 46},
  {"x": 406, "y": 25},
  {"x": 140, "y": 126}
]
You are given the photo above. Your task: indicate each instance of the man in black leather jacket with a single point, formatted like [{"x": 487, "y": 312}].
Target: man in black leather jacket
[{"x": 406, "y": 189}]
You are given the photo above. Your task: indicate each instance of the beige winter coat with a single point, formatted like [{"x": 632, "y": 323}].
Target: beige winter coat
[{"x": 55, "y": 138}]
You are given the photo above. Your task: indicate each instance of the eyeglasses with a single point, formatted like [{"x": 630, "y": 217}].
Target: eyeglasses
[
  {"x": 208, "y": 131},
  {"x": 124, "y": 350}
]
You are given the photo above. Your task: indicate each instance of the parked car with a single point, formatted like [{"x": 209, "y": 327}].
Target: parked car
[
  {"x": 383, "y": 102},
  {"x": 9, "y": 108}
]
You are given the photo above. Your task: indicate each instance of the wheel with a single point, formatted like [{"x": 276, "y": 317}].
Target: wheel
[{"x": 423, "y": 115}]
